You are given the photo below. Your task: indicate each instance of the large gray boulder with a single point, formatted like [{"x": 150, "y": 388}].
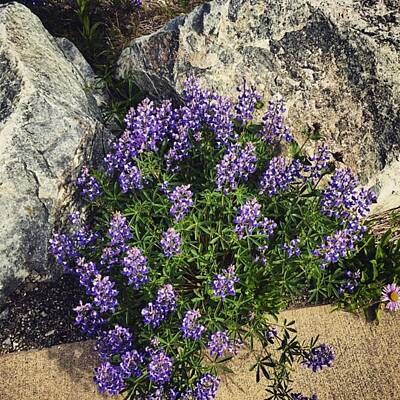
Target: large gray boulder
[
  {"x": 335, "y": 62},
  {"x": 50, "y": 125}
]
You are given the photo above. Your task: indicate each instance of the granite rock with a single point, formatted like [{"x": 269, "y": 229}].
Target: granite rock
[{"x": 50, "y": 125}]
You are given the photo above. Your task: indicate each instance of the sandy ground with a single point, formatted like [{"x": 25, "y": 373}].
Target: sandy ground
[{"x": 366, "y": 368}]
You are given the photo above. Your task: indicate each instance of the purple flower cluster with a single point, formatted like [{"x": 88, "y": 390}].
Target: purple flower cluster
[
  {"x": 88, "y": 318},
  {"x": 130, "y": 178},
  {"x": 220, "y": 343},
  {"x": 336, "y": 246},
  {"x": 163, "y": 393},
  {"x": 63, "y": 250},
  {"x": 237, "y": 164},
  {"x": 224, "y": 284},
  {"x": 87, "y": 272},
  {"x": 206, "y": 387},
  {"x": 116, "y": 341},
  {"x": 271, "y": 334},
  {"x": 135, "y": 267},
  {"x": 160, "y": 367},
  {"x": 88, "y": 186},
  {"x": 146, "y": 128},
  {"x": 130, "y": 363},
  {"x": 343, "y": 201},
  {"x": 171, "y": 242},
  {"x": 319, "y": 357},
  {"x": 165, "y": 302},
  {"x": 136, "y": 3},
  {"x": 181, "y": 199},
  {"x": 104, "y": 294},
  {"x": 274, "y": 129},
  {"x": 247, "y": 100},
  {"x": 119, "y": 231},
  {"x": 292, "y": 248},
  {"x": 219, "y": 120},
  {"x": 191, "y": 327},
  {"x": 319, "y": 162},
  {"x": 109, "y": 379},
  {"x": 352, "y": 281},
  {"x": 279, "y": 175},
  {"x": 248, "y": 220}
]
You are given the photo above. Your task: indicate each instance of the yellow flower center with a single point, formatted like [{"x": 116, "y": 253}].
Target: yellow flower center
[{"x": 394, "y": 296}]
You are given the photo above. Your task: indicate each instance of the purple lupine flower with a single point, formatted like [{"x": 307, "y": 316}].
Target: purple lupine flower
[
  {"x": 157, "y": 311},
  {"x": 162, "y": 393},
  {"x": 146, "y": 128},
  {"x": 197, "y": 101},
  {"x": 352, "y": 281},
  {"x": 180, "y": 148},
  {"x": 292, "y": 248},
  {"x": 318, "y": 357},
  {"x": 266, "y": 227},
  {"x": 219, "y": 120},
  {"x": 130, "y": 364},
  {"x": 119, "y": 230},
  {"x": 135, "y": 268},
  {"x": 153, "y": 314},
  {"x": 181, "y": 199},
  {"x": 110, "y": 255},
  {"x": 115, "y": 341},
  {"x": 188, "y": 119},
  {"x": 220, "y": 343},
  {"x": 206, "y": 387},
  {"x": 75, "y": 218},
  {"x": 130, "y": 178},
  {"x": 247, "y": 100},
  {"x": 224, "y": 284},
  {"x": 279, "y": 175},
  {"x": 160, "y": 367},
  {"x": 271, "y": 334},
  {"x": 299, "y": 396},
  {"x": 88, "y": 318},
  {"x": 171, "y": 242},
  {"x": 341, "y": 199},
  {"x": 63, "y": 250},
  {"x": 109, "y": 379},
  {"x": 336, "y": 246},
  {"x": 247, "y": 220},
  {"x": 122, "y": 152},
  {"x": 166, "y": 297},
  {"x": 104, "y": 294},
  {"x": 136, "y": 3},
  {"x": 88, "y": 186},
  {"x": 148, "y": 125},
  {"x": 191, "y": 327},
  {"x": 237, "y": 164},
  {"x": 274, "y": 129},
  {"x": 87, "y": 272},
  {"x": 319, "y": 162},
  {"x": 83, "y": 237},
  {"x": 391, "y": 295}
]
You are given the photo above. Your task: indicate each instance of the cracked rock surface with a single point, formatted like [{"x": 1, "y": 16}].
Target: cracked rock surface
[
  {"x": 335, "y": 62},
  {"x": 50, "y": 125}
]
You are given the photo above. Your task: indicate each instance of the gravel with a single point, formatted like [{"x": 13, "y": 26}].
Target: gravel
[{"x": 39, "y": 314}]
